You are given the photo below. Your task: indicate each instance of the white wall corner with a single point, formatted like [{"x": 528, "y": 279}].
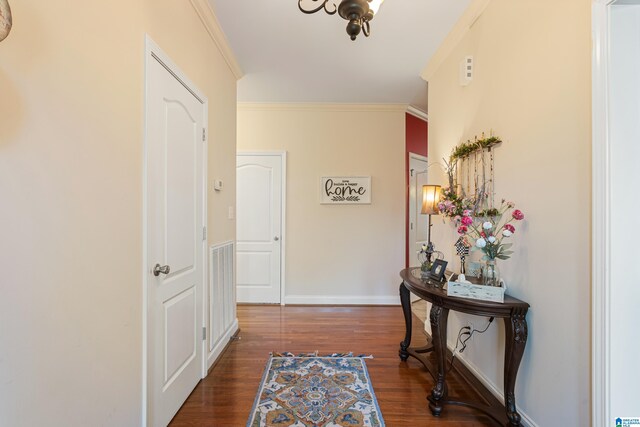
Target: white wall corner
[
  {"x": 212, "y": 25},
  {"x": 466, "y": 21}
]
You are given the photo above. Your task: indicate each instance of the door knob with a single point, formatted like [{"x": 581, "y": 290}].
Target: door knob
[
  {"x": 164, "y": 269},
  {"x": 276, "y": 238}
]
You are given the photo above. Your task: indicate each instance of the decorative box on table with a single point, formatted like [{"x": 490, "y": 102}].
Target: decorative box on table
[{"x": 475, "y": 290}]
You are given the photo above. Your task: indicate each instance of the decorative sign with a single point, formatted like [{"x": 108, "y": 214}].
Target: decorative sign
[{"x": 345, "y": 190}]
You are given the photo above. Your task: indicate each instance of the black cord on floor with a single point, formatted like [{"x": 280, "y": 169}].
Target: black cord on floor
[{"x": 464, "y": 335}]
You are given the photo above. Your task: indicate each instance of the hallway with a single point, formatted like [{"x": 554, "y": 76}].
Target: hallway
[{"x": 225, "y": 397}]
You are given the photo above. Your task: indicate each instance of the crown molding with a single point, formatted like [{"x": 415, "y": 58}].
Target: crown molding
[
  {"x": 457, "y": 33},
  {"x": 211, "y": 24},
  {"x": 416, "y": 112},
  {"x": 336, "y": 107}
]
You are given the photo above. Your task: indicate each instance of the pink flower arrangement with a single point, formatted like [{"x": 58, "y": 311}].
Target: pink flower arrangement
[
  {"x": 489, "y": 233},
  {"x": 453, "y": 206},
  {"x": 467, "y": 220}
]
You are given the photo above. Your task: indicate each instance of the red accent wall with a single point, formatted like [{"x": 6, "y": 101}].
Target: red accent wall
[
  {"x": 416, "y": 132},
  {"x": 417, "y": 141}
]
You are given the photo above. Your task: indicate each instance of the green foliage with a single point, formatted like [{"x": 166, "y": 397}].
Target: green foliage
[
  {"x": 489, "y": 213},
  {"x": 466, "y": 148}
]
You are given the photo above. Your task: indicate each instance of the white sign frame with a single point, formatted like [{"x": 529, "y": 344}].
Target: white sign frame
[{"x": 345, "y": 190}]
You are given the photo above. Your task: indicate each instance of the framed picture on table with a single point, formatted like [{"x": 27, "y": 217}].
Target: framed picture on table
[{"x": 438, "y": 269}]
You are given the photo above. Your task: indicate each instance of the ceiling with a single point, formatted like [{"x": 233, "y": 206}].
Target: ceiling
[{"x": 288, "y": 56}]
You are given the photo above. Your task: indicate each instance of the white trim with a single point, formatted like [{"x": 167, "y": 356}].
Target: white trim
[
  {"x": 283, "y": 228},
  {"x": 416, "y": 112},
  {"x": 145, "y": 256},
  {"x": 154, "y": 53},
  {"x": 287, "y": 106},
  {"x": 460, "y": 29},
  {"x": 283, "y": 211},
  {"x": 526, "y": 420},
  {"x": 205, "y": 223},
  {"x": 601, "y": 205},
  {"x": 416, "y": 156},
  {"x": 342, "y": 300},
  {"x": 222, "y": 343},
  {"x": 214, "y": 29}
]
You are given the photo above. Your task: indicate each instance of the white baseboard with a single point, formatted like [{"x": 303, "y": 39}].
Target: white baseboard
[
  {"x": 222, "y": 344},
  {"x": 342, "y": 300},
  {"x": 526, "y": 420}
]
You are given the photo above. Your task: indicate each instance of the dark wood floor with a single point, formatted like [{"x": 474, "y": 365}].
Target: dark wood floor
[{"x": 225, "y": 397}]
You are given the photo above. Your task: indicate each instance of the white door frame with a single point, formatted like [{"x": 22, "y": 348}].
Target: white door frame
[
  {"x": 418, "y": 201},
  {"x": 605, "y": 280},
  {"x": 412, "y": 234},
  {"x": 283, "y": 210},
  {"x": 154, "y": 53},
  {"x": 600, "y": 243}
]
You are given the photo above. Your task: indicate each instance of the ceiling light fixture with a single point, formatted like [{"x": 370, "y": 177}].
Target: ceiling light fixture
[{"x": 357, "y": 12}]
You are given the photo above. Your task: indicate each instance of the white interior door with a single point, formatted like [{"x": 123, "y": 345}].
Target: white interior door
[
  {"x": 259, "y": 224},
  {"x": 418, "y": 223},
  {"x": 174, "y": 248}
]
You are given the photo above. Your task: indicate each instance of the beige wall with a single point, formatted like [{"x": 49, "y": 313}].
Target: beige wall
[
  {"x": 71, "y": 129},
  {"x": 532, "y": 87},
  {"x": 343, "y": 254},
  {"x": 180, "y": 33}
]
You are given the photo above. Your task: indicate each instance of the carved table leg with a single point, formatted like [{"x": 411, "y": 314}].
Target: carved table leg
[
  {"x": 438, "y": 318},
  {"x": 405, "y": 300},
  {"x": 516, "y": 340}
]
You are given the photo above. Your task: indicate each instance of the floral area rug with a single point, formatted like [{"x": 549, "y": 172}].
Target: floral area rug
[{"x": 311, "y": 391}]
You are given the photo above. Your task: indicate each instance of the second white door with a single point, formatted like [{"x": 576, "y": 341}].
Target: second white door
[{"x": 259, "y": 228}]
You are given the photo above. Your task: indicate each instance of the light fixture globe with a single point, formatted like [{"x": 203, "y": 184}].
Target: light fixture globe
[{"x": 357, "y": 12}]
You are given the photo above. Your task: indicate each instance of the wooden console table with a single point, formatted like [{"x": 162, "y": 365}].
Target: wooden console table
[{"x": 513, "y": 311}]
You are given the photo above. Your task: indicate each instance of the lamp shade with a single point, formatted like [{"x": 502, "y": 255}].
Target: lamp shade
[
  {"x": 374, "y": 5},
  {"x": 430, "y": 199}
]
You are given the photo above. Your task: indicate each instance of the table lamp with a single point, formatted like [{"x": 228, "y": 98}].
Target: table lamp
[{"x": 430, "y": 199}]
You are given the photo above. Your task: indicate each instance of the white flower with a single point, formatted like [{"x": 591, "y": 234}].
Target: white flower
[
  {"x": 487, "y": 225},
  {"x": 506, "y": 233},
  {"x": 491, "y": 239},
  {"x": 481, "y": 243}
]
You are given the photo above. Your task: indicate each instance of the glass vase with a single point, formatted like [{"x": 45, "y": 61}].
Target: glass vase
[
  {"x": 490, "y": 273},
  {"x": 424, "y": 269}
]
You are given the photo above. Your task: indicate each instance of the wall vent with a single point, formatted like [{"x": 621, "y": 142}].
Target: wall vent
[{"x": 222, "y": 297}]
